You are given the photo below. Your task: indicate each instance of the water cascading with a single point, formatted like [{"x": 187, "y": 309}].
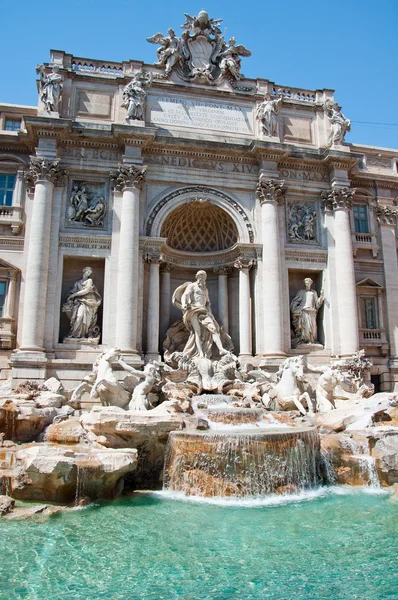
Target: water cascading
[{"x": 242, "y": 463}]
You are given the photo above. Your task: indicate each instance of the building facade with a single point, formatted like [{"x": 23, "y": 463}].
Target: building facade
[{"x": 147, "y": 173}]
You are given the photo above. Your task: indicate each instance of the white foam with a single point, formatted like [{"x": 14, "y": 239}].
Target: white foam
[{"x": 272, "y": 499}]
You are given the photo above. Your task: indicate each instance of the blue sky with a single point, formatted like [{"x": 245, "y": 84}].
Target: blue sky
[{"x": 350, "y": 46}]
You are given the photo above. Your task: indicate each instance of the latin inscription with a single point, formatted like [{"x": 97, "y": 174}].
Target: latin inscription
[
  {"x": 90, "y": 153},
  {"x": 88, "y": 243},
  {"x": 304, "y": 175},
  {"x": 203, "y": 115},
  {"x": 199, "y": 163}
]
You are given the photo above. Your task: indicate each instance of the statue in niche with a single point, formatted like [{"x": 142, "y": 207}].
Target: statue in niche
[
  {"x": 170, "y": 52},
  {"x": 204, "y": 331},
  {"x": 301, "y": 222},
  {"x": 134, "y": 96},
  {"x": 50, "y": 86},
  {"x": 86, "y": 206},
  {"x": 267, "y": 113},
  {"x": 81, "y": 308},
  {"x": 304, "y": 308},
  {"x": 230, "y": 59},
  {"x": 338, "y": 122}
]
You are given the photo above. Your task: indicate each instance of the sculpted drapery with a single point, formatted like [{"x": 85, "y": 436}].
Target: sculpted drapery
[{"x": 81, "y": 307}]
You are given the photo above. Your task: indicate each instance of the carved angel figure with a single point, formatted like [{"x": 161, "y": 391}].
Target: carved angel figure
[
  {"x": 338, "y": 122},
  {"x": 170, "y": 51},
  {"x": 267, "y": 112},
  {"x": 50, "y": 86},
  {"x": 134, "y": 95},
  {"x": 230, "y": 61}
]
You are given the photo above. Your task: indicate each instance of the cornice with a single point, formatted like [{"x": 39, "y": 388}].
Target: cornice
[{"x": 192, "y": 153}]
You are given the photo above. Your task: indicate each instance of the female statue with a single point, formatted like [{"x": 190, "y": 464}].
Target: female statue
[{"x": 81, "y": 308}]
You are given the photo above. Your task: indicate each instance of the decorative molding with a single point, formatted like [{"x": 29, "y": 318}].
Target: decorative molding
[
  {"x": 208, "y": 260},
  {"x": 128, "y": 176},
  {"x": 337, "y": 198},
  {"x": 12, "y": 243},
  {"x": 387, "y": 215},
  {"x": 309, "y": 256},
  {"x": 270, "y": 190}
]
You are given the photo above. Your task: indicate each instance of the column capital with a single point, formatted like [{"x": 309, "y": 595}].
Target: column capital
[
  {"x": 12, "y": 275},
  {"x": 387, "y": 215},
  {"x": 336, "y": 198},
  {"x": 222, "y": 270},
  {"x": 151, "y": 257},
  {"x": 128, "y": 176},
  {"x": 242, "y": 263},
  {"x": 166, "y": 267},
  {"x": 270, "y": 190},
  {"x": 43, "y": 169}
]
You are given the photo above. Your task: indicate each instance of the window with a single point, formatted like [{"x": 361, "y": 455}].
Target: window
[
  {"x": 361, "y": 222},
  {"x": 369, "y": 306},
  {"x": 3, "y": 287},
  {"x": 7, "y": 183},
  {"x": 12, "y": 125}
]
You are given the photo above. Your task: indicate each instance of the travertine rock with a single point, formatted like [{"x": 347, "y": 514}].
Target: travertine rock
[
  {"x": 6, "y": 504},
  {"x": 357, "y": 414}
]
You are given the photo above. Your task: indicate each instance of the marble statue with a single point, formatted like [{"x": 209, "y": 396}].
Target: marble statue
[
  {"x": 170, "y": 51},
  {"x": 304, "y": 308},
  {"x": 201, "y": 54},
  {"x": 193, "y": 300},
  {"x": 267, "y": 113},
  {"x": 134, "y": 96},
  {"x": 286, "y": 393},
  {"x": 50, "y": 86},
  {"x": 85, "y": 207},
  {"x": 338, "y": 122},
  {"x": 301, "y": 224},
  {"x": 81, "y": 308},
  {"x": 148, "y": 378},
  {"x": 230, "y": 59}
]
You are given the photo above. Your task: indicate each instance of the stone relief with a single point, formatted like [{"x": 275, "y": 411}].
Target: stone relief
[
  {"x": 134, "y": 96},
  {"x": 201, "y": 54},
  {"x": 267, "y": 112},
  {"x": 81, "y": 308},
  {"x": 301, "y": 222},
  {"x": 50, "y": 87},
  {"x": 338, "y": 122},
  {"x": 86, "y": 206},
  {"x": 304, "y": 309}
]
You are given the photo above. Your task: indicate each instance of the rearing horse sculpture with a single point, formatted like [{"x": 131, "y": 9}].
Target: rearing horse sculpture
[{"x": 286, "y": 394}]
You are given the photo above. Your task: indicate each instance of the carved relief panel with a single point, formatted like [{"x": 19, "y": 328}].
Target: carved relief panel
[
  {"x": 302, "y": 222},
  {"x": 87, "y": 204}
]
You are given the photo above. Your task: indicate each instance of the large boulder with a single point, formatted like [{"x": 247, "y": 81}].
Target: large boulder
[
  {"x": 383, "y": 443},
  {"x": 64, "y": 473},
  {"x": 148, "y": 431},
  {"x": 6, "y": 505}
]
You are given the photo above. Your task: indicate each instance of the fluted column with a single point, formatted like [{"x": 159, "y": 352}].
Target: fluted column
[
  {"x": 387, "y": 217},
  {"x": 245, "y": 330},
  {"x": 339, "y": 200},
  {"x": 43, "y": 174},
  {"x": 222, "y": 273},
  {"x": 152, "y": 352},
  {"x": 129, "y": 180},
  {"x": 270, "y": 193},
  {"x": 165, "y": 300}
]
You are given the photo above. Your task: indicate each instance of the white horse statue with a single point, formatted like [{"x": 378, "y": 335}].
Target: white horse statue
[{"x": 286, "y": 394}]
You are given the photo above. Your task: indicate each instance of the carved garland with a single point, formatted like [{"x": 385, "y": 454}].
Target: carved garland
[{"x": 199, "y": 189}]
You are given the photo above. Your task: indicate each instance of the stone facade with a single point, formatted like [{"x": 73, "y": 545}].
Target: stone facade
[{"x": 147, "y": 173}]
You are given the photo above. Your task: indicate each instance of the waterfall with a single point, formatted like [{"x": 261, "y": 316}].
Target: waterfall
[
  {"x": 359, "y": 450},
  {"x": 251, "y": 463},
  {"x": 6, "y": 465}
]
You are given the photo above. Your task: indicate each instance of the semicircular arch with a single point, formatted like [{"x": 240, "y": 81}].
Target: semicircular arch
[{"x": 169, "y": 202}]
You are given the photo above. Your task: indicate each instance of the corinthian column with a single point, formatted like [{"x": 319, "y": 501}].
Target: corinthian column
[
  {"x": 387, "y": 217},
  {"x": 44, "y": 174},
  {"x": 165, "y": 300},
  {"x": 270, "y": 193},
  {"x": 129, "y": 180},
  {"x": 152, "y": 352},
  {"x": 245, "y": 330},
  {"x": 339, "y": 200}
]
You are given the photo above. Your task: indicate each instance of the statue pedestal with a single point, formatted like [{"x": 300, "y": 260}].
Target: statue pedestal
[
  {"x": 80, "y": 341},
  {"x": 307, "y": 348},
  {"x": 48, "y": 113}
]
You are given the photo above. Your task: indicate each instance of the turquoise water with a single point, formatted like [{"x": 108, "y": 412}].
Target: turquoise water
[{"x": 342, "y": 545}]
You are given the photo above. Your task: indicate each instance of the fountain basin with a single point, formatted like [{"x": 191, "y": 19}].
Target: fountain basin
[{"x": 243, "y": 463}]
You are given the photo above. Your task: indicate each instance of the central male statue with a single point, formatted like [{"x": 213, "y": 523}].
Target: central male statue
[{"x": 193, "y": 299}]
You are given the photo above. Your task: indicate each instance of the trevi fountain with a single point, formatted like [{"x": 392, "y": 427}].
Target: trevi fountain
[{"x": 198, "y": 401}]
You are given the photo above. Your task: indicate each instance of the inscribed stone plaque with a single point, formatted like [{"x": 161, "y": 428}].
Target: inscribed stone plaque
[
  {"x": 178, "y": 112},
  {"x": 96, "y": 104}
]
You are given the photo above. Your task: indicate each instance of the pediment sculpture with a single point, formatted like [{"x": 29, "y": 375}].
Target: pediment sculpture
[{"x": 201, "y": 54}]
